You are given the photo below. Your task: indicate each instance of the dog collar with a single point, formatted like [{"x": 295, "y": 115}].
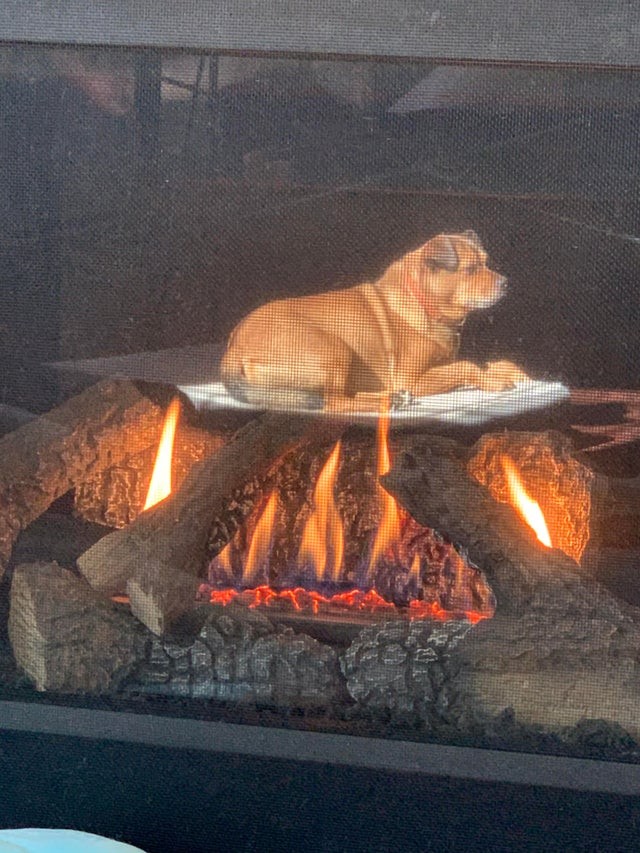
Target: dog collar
[{"x": 429, "y": 309}]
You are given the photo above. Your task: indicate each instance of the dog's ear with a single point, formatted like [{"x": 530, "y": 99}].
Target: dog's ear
[
  {"x": 440, "y": 253},
  {"x": 473, "y": 238}
]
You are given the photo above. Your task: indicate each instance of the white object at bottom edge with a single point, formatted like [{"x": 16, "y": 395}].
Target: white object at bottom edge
[{"x": 59, "y": 841}]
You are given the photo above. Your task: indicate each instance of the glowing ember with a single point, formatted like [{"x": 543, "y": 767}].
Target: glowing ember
[
  {"x": 528, "y": 509},
  {"x": 301, "y": 600},
  {"x": 160, "y": 485},
  {"x": 260, "y": 542},
  {"x": 388, "y": 533},
  {"x": 323, "y": 535}
]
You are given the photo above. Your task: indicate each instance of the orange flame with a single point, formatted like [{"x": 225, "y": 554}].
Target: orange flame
[
  {"x": 260, "y": 542},
  {"x": 528, "y": 509},
  {"x": 414, "y": 571},
  {"x": 323, "y": 533},
  {"x": 388, "y": 532},
  {"x": 160, "y": 485},
  {"x": 224, "y": 560}
]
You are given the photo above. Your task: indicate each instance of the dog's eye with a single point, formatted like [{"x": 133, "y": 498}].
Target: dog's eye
[{"x": 472, "y": 269}]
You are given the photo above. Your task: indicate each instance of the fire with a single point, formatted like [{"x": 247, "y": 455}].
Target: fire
[
  {"x": 160, "y": 485},
  {"x": 414, "y": 571},
  {"x": 323, "y": 548},
  {"x": 323, "y": 534},
  {"x": 528, "y": 509},
  {"x": 224, "y": 560},
  {"x": 388, "y": 533},
  {"x": 260, "y": 542}
]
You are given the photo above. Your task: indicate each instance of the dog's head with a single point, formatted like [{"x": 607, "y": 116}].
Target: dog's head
[{"x": 450, "y": 274}]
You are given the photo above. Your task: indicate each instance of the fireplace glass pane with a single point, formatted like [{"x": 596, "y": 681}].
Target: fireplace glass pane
[{"x": 393, "y": 308}]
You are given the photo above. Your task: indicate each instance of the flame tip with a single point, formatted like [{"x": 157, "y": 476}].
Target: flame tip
[
  {"x": 528, "y": 509},
  {"x": 160, "y": 483}
]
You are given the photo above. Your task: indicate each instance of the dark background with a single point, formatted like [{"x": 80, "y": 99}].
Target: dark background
[{"x": 144, "y": 230}]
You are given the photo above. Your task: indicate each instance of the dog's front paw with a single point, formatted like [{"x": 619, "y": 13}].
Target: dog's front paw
[{"x": 500, "y": 375}]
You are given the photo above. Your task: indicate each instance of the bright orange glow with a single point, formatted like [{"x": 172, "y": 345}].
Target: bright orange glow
[
  {"x": 160, "y": 485},
  {"x": 323, "y": 536},
  {"x": 528, "y": 509},
  {"x": 302, "y": 600},
  {"x": 258, "y": 553},
  {"x": 388, "y": 532}
]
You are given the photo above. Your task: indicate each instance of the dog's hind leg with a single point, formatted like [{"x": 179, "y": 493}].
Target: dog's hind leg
[
  {"x": 290, "y": 372},
  {"x": 273, "y": 396}
]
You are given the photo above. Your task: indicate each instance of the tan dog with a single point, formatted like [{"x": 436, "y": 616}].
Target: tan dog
[{"x": 390, "y": 340}]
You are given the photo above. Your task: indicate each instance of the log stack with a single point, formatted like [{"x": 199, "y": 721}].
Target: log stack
[
  {"x": 158, "y": 559},
  {"x": 560, "y": 647},
  {"x": 45, "y": 458}
]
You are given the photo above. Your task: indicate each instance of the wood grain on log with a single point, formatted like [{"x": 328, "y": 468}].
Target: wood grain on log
[
  {"x": 42, "y": 460},
  {"x": 64, "y": 635},
  {"x": 157, "y": 560}
]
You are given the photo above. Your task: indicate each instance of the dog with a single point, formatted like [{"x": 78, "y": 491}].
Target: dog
[{"x": 375, "y": 345}]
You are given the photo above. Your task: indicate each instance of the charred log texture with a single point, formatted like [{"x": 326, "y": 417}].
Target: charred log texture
[
  {"x": 158, "y": 559},
  {"x": 560, "y": 647},
  {"x": 239, "y": 655},
  {"x": 116, "y": 495},
  {"x": 47, "y": 457}
]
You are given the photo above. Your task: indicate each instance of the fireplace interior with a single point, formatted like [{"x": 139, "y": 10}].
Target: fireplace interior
[{"x": 458, "y": 566}]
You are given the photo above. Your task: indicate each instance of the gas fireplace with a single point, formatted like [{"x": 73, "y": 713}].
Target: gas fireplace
[
  {"x": 297, "y": 563},
  {"x": 318, "y": 392}
]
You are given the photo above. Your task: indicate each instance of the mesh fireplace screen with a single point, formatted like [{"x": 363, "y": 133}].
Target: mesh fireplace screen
[{"x": 319, "y": 393}]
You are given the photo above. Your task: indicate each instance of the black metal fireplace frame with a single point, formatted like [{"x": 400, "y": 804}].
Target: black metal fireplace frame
[{"x": 572, "y": 32}]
